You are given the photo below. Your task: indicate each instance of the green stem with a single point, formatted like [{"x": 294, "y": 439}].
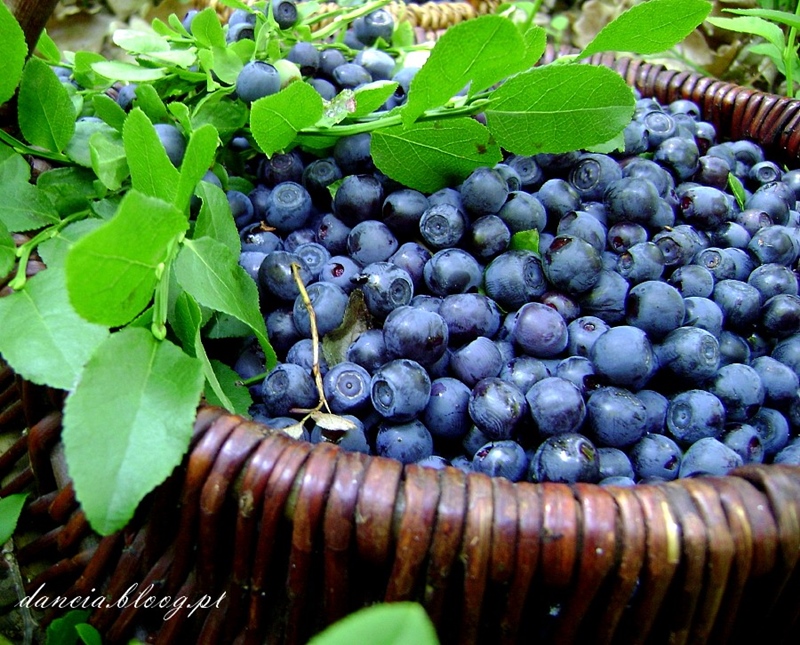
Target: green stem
[
  {"x": 21, "y": 148},
  {"x": 790, "y": 56},
  {"x": 24, "y": 251},
  {"x": 161, "y": 300}
]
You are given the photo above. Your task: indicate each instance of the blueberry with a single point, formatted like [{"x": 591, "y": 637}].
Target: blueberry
[
  {"x": 529, "y": 172},
  {"x": 680, "y": 155},
  {"x": 406, "y": 442},
  {"x": 745, "y": 441},
  {"x": 484, "y": 192},
  {"x": 740, "y": 304},
  {"x": 624, "y": 356},
  {"x": 286, "y": 387},
  {"x": 351, "y": 75},
  {"x": 616, "y": 416},
  {"x": 539, "y": 330},
  {"x": 173, "y": 141},
  {"x": 302, "y": 354},
  {"x": 655, "y": 307},
  {"x": 733, "y": 348},
  {"x": 317, "y": 176},
  {"x": 315, "y": 256},
  {"x": 285, "y": 13},
  {"x": 772, "y": 428},
  {"x": 379, "y": 64},
  {"x": 341, "y": 271},
  {"x": 476, "y": 360},
  {"x": 571, "y": 264},
  {"x": 691, "y": 353},
  {"x": 582, "y": 334},
  {"x": 704, "y": 207},
  {"x": 623, "y": 235},
  {"x": 402, "y": 210},
  {"x": 358, "y": 198},
  {"x": 606, "y": 300},
  {"x": 442, "y": 226},
  {"x": 414, "y": 333},
  {"x": 496, "y": 407},
  {"x": 469, "y": 315},
  {"x": 692, "y": 280},
  {"x": 514, "y": 278},
  {"x": 347, "y": 388},
  {"x": 411, "y": 257},
  {"x": 556, "y": 406},
  {"x": 305, "y": 56},
  {"x": 400, "y": 389},
  {"x": 790, "y": 455},
  {"x": 558, "y": 198},
  {"x": 659, "y": 125},
  {"x": 780, "y": 382},
  {"x": 371, "y": 241},
  {"x": 586, "y": 226},
  {"x": 523, "y": 212},
  {"x": 703, "y": 313},
  {"x": 775, "y": 198},
  {"x": 329, "y": 302},
  {"x": 780, "y": 316},
  {"x": 275, "y": 274},
  {"x": 567, "y": 458},
  {"x": 774, "y": 244},
  {"x": 787, "y": 351},
  {"x": 452, "y": 271},
  {"x": 614, "y": 463},
  {"x": 352, "y": 440},
  {"x": 446, "y": 414},
  {"x": 695, "y": 414},
  {"x": 377, "y": 24},
  {"x": 288, "y": 206},
  {"x": 709, "y": 456},
  {"x": 523, "y": 372},
  {"x": 385, "y": 287},
  {"x": 578, "y": 370},
  {"x": 592, "y": 174},
  {"x": 501, "y": 459},
  {"x": 773, "y": 279},
  {"x": 656, "y": 455},
  {"x": 256, "y": 80},
  {"x": 488, "y": 237}
]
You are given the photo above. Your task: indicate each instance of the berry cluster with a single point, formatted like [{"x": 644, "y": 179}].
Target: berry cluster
[{"x": 653, "y": 334}]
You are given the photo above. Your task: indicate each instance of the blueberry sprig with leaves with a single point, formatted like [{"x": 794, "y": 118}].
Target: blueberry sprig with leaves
[{"x": 138, "y": 280}]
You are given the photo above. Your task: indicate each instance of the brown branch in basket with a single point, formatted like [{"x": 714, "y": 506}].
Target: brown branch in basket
[{"x": 28, "y": 623}]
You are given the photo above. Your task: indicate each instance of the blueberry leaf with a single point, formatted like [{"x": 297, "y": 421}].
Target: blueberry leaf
[
  {"x": 108, "y": 160},
  {"x": 7, "y": 251},
  {"x": 54, "y": 250},
  {"x": 45, "y": 112},
  {"x": 752, "y": 25},
  {"x": 62, "y": 631},
  {"x": 210, "y": 272},
  {"x": 13, "y": 51},
  {"x": 207, "y": 29},
  {"x": 371, "y": 96},
  {"x": 122, "y": 71},
  {"x": 214, "y": 219},
  {"x": 199, "y": 157},
  {"x": 525, "y": 240},
  {"x": 88, "y": 634},
  {"x": 535, "y": 44},
  {"x": 219, "y": 110},
  {"x": 25, "y": 207},
  {"x": 401, "y": 623},
  {"x": 478, "y": 53},
  {"x": 152, "y": 173},
  {"x": 44, "y": 339},
  {"x": 78, "y": 147},
  {"x": 332, "y": 421},
  {"x": 151, "y": 418},
  {"x": 275, "y": 120},
  {"x": 111, "y": 273},
  {"x": 650, "y": 27},
  {"x": 433, "y": 154},
  {"x": 231, "y": 386},
  {"x": 735, "y": 184},
  {"x": 781, "y": 17},
  {"x": 47, "y": 49},
  {"x": 559, "y": 108},
  {"x": 10, "y": 509},
  {"x": 13, "y": 167},
  {"x": 148, "y": 99},
  {"x": 109, "y": 110},
  {"x": 186, "y": 322}
]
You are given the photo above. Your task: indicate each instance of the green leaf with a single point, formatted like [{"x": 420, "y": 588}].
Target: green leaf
[
  {"x": 151, "y": 170},
  {"x": 525, "y": 240},
  {"x": 337, "y": 109},
  {"x": 85, "y": 75},
  {"x": 433, "y": 154},
  {"x": 10, "y": 509},
  {"x": 650, "y": 27},
  {"x": 226, "y": 115},
  {"x": 108, "y": 158},
  {"x": 222, "y": 62},
  {"x": 225, "y": 326},
  {"x": 371, "y": 96},
  {"x": 13, "y": 167},
  {"x": 535, "y": 44},
  {"x": 122, "y": 71},
  {"x": 276, "y": 119},
  {"x": 45, "y": 112},
  {"x": 773, "y": 15},
  {"x": 559, "y": 108},
  {"x": 24, "y": 207},
  {"x": 54, "y": 251},
  {"x": 234, "y": 391},
  {"x": 13, "y": 51},
  {"x": 402, "y": 623},
  {"x": 403, "y": 35},
  {"x": 62, "y": 631},
  {"x": 111, "y": 273},
  {"x": 78, "y": 147},
  {"x": 70, "y": 188},
  {"x": 735, "y": 184},
  {"x": 148, "y": 99},
  {"x": 139, "y": 41},
  {"x": 181, "y": 114},
  {"x": 199, "y": 157},
  {"x": 478, "y": 52},
  {"x": 109, "y": 110},
  {"x": 210, "y": 272},
  {"x": 47, "y": 48},
  {"x": 754, "y": 26},
  {"x": 215, "y": 219},
  {"x": 8, "y": 254},
  {"x": 44, "y": 339},
  {"x": 122, "y": 442},
  {"x": 207, "y": 29},
  {"x": 88, "y": 634}
]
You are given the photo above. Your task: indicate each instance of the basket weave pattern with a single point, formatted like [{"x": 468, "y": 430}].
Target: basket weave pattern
[{"x": 296, "y": 536}]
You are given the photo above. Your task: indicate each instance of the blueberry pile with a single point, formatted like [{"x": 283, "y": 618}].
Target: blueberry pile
[{"x": 653, "y": 334}]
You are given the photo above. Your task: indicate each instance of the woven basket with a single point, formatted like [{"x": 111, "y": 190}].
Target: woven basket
[{"x": 296, "y": 536}]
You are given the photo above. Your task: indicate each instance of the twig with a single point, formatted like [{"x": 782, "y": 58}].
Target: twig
[{"x": 28, "y": 622}]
